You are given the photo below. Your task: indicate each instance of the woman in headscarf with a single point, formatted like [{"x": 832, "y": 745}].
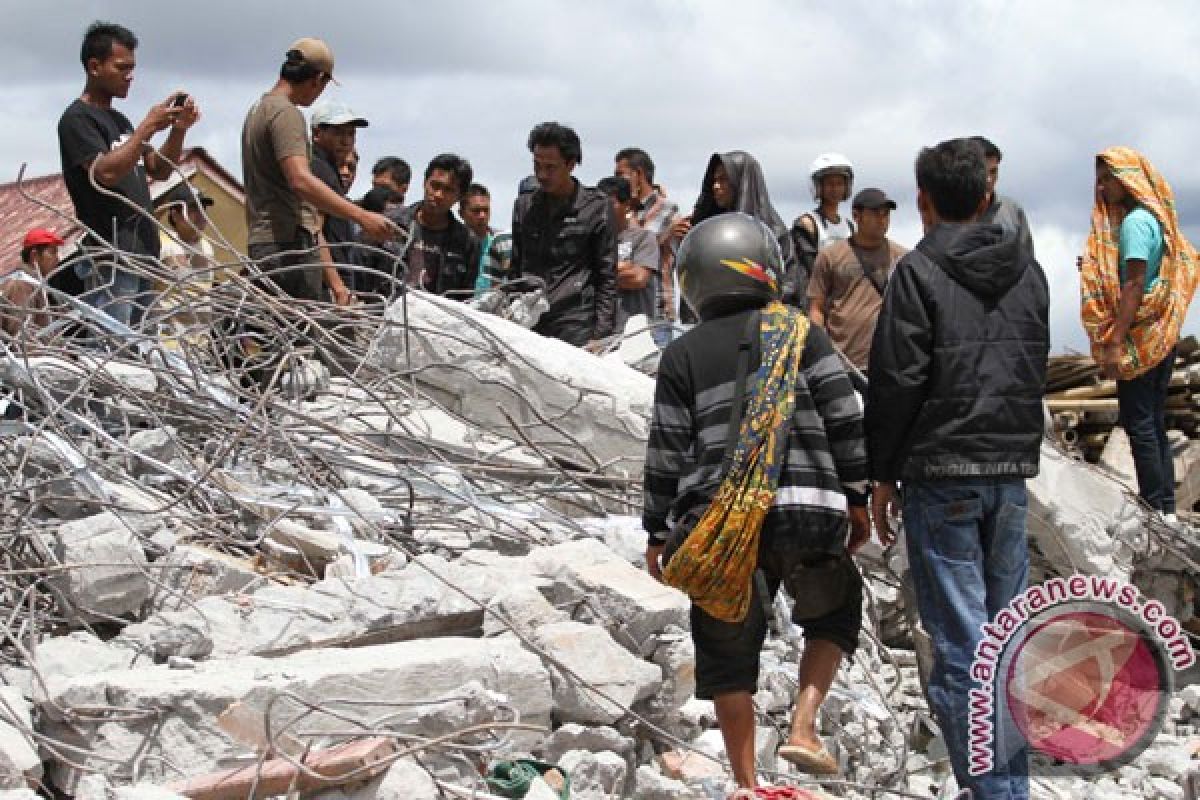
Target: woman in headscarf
[
  {"x": 1137, "y": 277},
  {"x": 734, "y": 182}
]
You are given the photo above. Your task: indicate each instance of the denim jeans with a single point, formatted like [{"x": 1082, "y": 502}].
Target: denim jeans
[
  {"x": 969, "y": 558},
  {"x": 121, "y": 294},
  {"x": 1143, "y": 403}
]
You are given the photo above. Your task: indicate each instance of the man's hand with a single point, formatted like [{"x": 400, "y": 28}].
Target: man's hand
[
  {"x": 1108, "y": 359},
  {"x": 654, "y": 560},
  {"x": 681, "y": 227},
  {"x": 341, "y": 295},
  {"x": 189, "y": 112},
  {"x": 884, "y": 506},
  {"x": 159, "y": 118},
  {"x": 377, "y": 227},
  {"x": 860, "y": 528}
]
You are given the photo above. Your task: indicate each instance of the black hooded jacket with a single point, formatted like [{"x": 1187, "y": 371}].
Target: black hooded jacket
[
  {"x": 750, "y": 197},
  {"x": 958, "y": 362}
]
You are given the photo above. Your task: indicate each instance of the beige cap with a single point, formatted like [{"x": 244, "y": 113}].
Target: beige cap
[{"x": 314, "y": 52}]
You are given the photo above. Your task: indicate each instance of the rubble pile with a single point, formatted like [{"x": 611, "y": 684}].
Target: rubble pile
[{"x": 374, "y": 568}]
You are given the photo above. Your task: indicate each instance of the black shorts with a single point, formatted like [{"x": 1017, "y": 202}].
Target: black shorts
[{"x": 727, "y": 653}]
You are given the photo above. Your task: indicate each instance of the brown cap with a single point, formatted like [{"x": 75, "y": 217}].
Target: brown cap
[{"x": 312, "y": 51}]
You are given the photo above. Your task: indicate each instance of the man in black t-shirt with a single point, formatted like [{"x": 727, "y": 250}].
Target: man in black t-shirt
[
  {"x": 334, "y": 130},
  {"x": 96, "y": 140},
  {"x": 443, "y": 255}
]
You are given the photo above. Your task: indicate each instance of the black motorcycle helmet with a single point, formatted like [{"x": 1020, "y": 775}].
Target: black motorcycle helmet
[{"x": 727, "y": 260}]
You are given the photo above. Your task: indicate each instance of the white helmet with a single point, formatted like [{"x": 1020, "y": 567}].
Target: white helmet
[{"x": 828, "y": 163}]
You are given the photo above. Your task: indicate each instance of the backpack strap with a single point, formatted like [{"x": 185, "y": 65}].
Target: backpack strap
[{"x": 738, "y": 403}]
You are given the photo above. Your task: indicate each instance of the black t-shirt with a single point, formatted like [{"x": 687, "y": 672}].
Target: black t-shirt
[
  {"x": 84, "y": 133},
  {"x": 337, "y": 230},
  {"x": 440, "y": 261}
]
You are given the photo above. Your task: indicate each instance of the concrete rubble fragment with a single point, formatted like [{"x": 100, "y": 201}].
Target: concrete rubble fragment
[
  {"x": 179, "y": 727},
  {"x": 20, "y": 764},
  {"x": 102, "y": 567},
  {"x": 601, "y": 411}
]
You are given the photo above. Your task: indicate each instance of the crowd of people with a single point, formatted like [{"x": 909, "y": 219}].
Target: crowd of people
[{"x": 760, "y": 449}]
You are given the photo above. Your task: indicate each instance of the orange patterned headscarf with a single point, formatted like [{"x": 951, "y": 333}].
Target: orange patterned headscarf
[{"x": 1156, "y": 327}]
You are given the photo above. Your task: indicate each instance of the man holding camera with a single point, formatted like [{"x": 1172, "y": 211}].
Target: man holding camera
[{"x": 97, "y": 141}]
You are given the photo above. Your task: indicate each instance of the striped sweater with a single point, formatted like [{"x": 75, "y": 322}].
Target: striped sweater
[{"x": 826, "y": 459}]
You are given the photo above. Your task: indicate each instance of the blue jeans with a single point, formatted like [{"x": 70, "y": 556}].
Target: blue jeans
[
  {"x": 121, "y": 294},
  {"x": 969, "y": 558},
  {"x": 1143, "y": 405}
]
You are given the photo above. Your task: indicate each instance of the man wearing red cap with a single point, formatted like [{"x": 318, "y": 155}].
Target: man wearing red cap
[{"x": 22, "y": 290}]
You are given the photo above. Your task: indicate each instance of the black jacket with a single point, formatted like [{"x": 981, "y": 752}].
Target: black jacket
[
  {"x": 439, "y": 261},
  {"x": 958, "y": 362},
  {"x": 573, "y": 249}
]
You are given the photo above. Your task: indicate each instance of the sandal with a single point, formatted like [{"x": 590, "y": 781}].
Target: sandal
[{"x": 814, "y": 762}]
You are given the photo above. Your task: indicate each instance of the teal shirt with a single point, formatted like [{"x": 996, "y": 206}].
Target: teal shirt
[{"x": 1141, "y": 239}]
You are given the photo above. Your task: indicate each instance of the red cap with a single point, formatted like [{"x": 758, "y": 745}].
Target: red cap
[{"x": 41, "y": 236}]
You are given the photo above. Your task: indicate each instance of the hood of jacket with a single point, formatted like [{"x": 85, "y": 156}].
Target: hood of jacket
[{"x": 986, "y": 259}]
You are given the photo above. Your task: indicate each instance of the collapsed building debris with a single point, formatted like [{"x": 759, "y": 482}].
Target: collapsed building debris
[{"x": 414, "y": 537}]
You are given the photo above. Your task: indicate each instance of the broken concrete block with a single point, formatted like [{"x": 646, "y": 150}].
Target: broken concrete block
[
  {"x": 60, "y": 658},
  {"x": 613, "y": 593},
  {"x": 522, "y": 606},
  {"x": 653, "y": 785},
  {"x": 595, "y": 776},
  {"x": 572, "y": 736},
  {"x": 407, "y": 780},
  {"x": 676, "y": 655},
  {"x": 598, "y": 661},
  {"x": 392, "y": 606},
  {"x": 108, "y": 576},
  {"x": 20, "y": 765},
  {"x": 1070, "y": 514},
  {"x": 19, "y": 794},
  {"x": 194, "y": 572},
  {"x": 357, "y": 687},
  {"x": 689, "y": 766},
  {"x": 489, "y": 371},
  {"x": 598, "y": 739},
  {"x": 158, "y": 444},
  {"x": 93, "y": 787}
]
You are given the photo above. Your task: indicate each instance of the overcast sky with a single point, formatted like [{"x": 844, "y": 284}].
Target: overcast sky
[{"x": 1050, "y": 83}]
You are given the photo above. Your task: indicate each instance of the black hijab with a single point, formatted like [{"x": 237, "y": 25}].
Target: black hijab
[{"x": 750, "y": 197}]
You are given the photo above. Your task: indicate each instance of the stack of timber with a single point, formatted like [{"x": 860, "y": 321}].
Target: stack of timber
[{"x": 1083, "y": 405}]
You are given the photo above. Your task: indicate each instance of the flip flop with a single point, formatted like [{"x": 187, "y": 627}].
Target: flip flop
[{"x": 814, "y": 762}]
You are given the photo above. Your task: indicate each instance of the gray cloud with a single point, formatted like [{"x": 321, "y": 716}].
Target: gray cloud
[{"x": 1051, "y": 83}]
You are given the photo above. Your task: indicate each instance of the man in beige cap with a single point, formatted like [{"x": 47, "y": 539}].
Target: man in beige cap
[{"x": 283, "y": 197}]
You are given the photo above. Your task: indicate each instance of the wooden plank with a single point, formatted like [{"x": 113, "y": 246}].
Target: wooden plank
[
  {"x": 353, "y": 762},
  {"x": 1082, "y": 405},
  {"x": 1101, "y": 389}
]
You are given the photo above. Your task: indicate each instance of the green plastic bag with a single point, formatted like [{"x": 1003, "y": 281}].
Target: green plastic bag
[{"x": 513, "y": 778}]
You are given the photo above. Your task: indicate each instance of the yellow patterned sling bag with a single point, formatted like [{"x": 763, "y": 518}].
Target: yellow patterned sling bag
[{"x": 715, "y": 564}]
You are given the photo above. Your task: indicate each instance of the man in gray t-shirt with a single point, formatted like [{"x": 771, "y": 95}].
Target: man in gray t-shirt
[{"x": 637, "y": 256}]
